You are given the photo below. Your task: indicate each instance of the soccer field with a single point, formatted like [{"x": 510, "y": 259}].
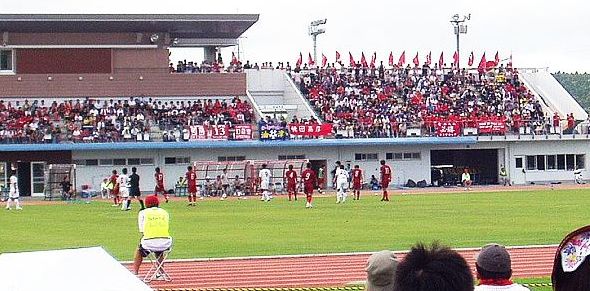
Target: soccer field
[{"x": 250, "y": 227}]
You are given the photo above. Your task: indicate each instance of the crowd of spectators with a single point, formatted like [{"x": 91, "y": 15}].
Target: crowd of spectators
[
  {"x": 133, "y": 119},
  {"x": 379, "y": 102}
]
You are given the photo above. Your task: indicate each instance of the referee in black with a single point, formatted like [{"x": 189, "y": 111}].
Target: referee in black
[{"x": 134, "y": 191}]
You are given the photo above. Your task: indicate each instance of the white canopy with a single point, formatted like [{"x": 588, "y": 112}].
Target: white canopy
[{"x": 90, "y": 269}]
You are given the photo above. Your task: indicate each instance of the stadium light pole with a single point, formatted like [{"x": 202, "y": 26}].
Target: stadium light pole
[
  {"x": 314, "y": 31},
  {"x": 459, "y": 28}
]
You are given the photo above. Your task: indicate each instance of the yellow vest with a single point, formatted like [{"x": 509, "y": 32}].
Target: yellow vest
[{"x": 156, "y": 223}]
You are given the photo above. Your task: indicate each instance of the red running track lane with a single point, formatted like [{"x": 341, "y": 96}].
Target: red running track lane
[{"x": 315, "y": 271}]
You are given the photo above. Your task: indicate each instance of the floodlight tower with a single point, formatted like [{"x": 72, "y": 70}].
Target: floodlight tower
[
  {"x": 459, "y": 28},
  {"x": 314, "y": 31}
]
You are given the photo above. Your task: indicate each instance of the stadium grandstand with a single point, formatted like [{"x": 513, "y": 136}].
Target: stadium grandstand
[{"x": 74, "y": 90}]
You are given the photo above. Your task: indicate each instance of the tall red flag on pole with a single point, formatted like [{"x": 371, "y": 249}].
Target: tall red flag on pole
[
  {"x": 299, "y": 60},
  {"x": 310, "y": 60},
  {"x": 324, "y": 60},
  {"x": 456, "y": 59},
  {"x": 441, "y": 60},
  {"x": 363, "y": 60},
  {"x": 391, "y": 59},
  {"x": 415, "y": 60},
  {"x": 373, "y": 59},
  {"x": 470, "y": 60},
  {"x": 351, "y": 59},
  {"x": 402, "y": 59},
  {"x": 338, "y": 57},
  {"x": 429, "y": 58},
  {"x": 482, "y": 62},
  {"x": 497, "y": 58}
]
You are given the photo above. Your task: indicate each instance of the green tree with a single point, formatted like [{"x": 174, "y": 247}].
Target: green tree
[{"x": 578, "y": 85}]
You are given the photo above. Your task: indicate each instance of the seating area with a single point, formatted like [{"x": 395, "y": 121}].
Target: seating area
[
  {"x": 114, "y": 120},
  {"x": 362, "y": 102}
]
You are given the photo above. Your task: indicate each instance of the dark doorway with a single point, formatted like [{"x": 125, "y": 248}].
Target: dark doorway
[
  {"x": 316, "y": 165},
  {"x": 24, "y": 178},
  {"x": 482, "y": 165}
]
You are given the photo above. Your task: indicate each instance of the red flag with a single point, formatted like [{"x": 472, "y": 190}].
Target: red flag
[
  {"x": 338, "y": 57},
  {"x": 470, "y": 60},
  {"x": 482, "y": 62},
  {"x": 363, "y": 60},
  {"x": 234, "y": 60},
  {"x": 490, "y": 65},
  {"x": 299, "y": 60},
  {"x": 497, "y": 58},
  {"x": 351, "y": 59},
  {"x": 402, "y": 59},
  {"x": 456, "y": 59},
  {"x": 391, "y": 59},
  {"x": 441, "y": 60},
  {"x": 373, "y": 59},
  {"x": 310, "y": 60},
  {"x": 415, "y": 60},
  {"x": 324, "y": 60},
  {"x": 429, "y": 58}
]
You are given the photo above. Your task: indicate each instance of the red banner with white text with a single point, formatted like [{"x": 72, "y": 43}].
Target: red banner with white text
[
  {"x": 219, "y": 131},
  {"x": 243, "y": 131},
  {"x": 197, "y": 132},
  {"x": 447, "y": 128},
  {"x": 491, "y": 126},
  {"x": 300, "y": 129}
]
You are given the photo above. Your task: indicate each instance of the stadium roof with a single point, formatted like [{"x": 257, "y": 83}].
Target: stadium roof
[{"x": 178, "y": 25}]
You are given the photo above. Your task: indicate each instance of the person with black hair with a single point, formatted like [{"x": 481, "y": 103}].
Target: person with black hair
[
  {"x": 123, "y": 182},
  {"x": 134, "y": 191},
  {"x": 571, "y": 269},
  {"x": 494, "y": 270},
  {"x": 433, "y": 268}
]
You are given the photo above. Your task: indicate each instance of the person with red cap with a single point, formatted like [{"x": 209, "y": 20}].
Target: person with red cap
[{"x": 153, "y": 223}]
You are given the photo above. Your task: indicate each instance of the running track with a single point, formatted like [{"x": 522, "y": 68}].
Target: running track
[{"x": 315, "y": 271}]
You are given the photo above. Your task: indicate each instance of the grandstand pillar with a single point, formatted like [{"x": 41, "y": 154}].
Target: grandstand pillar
[{"x": 210, "y": 53}]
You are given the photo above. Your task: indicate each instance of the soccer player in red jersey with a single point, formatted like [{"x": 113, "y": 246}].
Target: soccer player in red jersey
[
  {"x": 385, "y": 179},
  {"x": 115, "y": 189},
  {"x": 308, "y": 178},
  {"x": 357, "y": 182},
  {"x": 191, "y": 179},
  {"x": 291, "y": 178},
  {"x": 160, "y": 189}
]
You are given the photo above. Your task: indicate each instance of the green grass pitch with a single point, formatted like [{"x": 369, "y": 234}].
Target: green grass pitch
[{"x": 250, "y": 227}]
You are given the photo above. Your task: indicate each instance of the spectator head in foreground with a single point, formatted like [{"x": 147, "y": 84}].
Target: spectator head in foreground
[
  {"x": 571, "y": 267},
  {"x": 494, "y": 269},
  {"x": 381, "y": 267},
  {"x": 433, "y": 268}
]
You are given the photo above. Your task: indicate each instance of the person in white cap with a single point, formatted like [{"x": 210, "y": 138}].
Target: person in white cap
[
  {"x": 494, "y": 270},
  {"x": 381, "y": 267}
]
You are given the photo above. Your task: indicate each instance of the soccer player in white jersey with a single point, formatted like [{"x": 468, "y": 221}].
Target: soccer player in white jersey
[
  {"x": 123, "y": 181},
  {"x": 13, "y": 193},
  {"x": 341, "y": 184},
  {"x": 265, "y": 176}
]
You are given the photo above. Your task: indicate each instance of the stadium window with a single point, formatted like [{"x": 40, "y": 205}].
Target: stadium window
[
  {"x": 397, "y": 156},
  {"x": 79, "y": 162},
  {"x": 416, "y": 156},
  {"x": 570, "y": 162},
  {"x": 237, "y": 158},
  {"x": 366, "y": 157},
  {"x": 146, "y": 161},
  {"x": 561, "y": 162},
  {"x": 389, "y": 156},
  {"x": 92, "y": 162},
  {"x": 519, "y": 163},
  {"x": 580, "y": 161},
  {"x": 223, "y": 159},
  {"x": 170, "y": 160},
  {"x": 6, "y": 61},
  {"x": 531, "y": 163},
  {"x": 119, "y": 162},
  {"x": 407, "y": 156},
  {"x": 551, "y": 162},
  {"x": 541, "y": 162},
  {"x": 183, "y": 160},
  {"x": 133, "y": 162},
  {"x": 105, "y": 162}
]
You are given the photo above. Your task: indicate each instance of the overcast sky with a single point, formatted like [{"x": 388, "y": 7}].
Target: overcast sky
[{"x": 538, "y": 33}]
